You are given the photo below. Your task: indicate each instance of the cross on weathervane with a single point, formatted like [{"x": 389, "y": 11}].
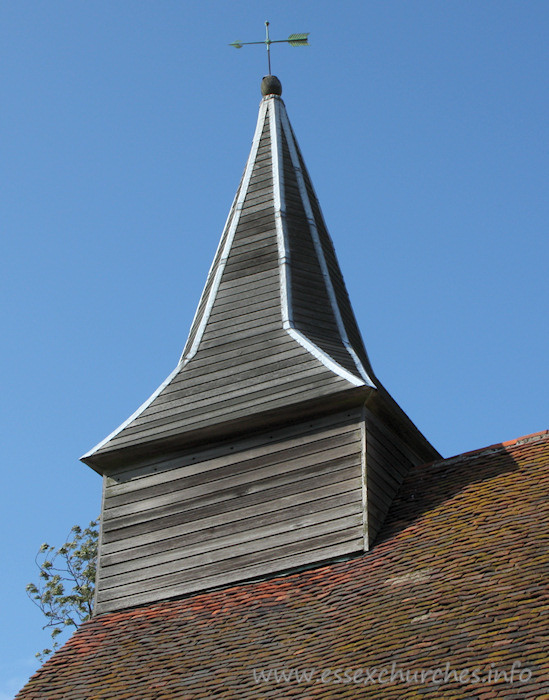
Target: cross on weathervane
[{"x": 293, "y": 40}]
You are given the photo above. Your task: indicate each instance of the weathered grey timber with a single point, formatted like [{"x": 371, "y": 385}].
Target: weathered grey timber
[
  {"x": 272, "y": 445},
  {"x": 274, "y": 282},
  {"x": 243, "y": 504}
]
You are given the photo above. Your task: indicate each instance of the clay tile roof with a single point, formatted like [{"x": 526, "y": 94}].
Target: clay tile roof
[{"x": 456, "y": 582}]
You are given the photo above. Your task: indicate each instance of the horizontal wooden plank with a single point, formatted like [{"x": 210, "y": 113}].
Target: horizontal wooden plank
[
  {"x": 145, "y": 482},
  {"x": 311, "y": 387},
  {"x": 240, "y": 315},
  {"x": 261, "y": 390},
  {"x": 250, "y": 281},
  {"x": 332, "y": 346},
  {"x": 209, "y": 350},
  {"x": 385, "y": 463},
  {"x": 204, "y": 507},
  {"x": 263, "y": 158},
  {"x": 151, "y": 570},
  {"x": 258, "y": 204},
  {"x": 235, "y": 563},
  {"x": 237, "y": 414},
  {"x": 244, "y": 329},
  {"x": 255, "y": 226},
  {"x": 258, "y": 445},
  {"x": 308, "y": 274},
  {"x": 305, "y": 290},
  {"x": 255, "y": 387},
  {"x": 261, "y": 284},
  {"x": 258, "y": 379},
  {"x": 321, "y": 318},
  {"x": 283, "y": 346},
  {"x": 225, "y": 382},
  {"x": 392, "y": 441},
  {"x": 268, "y": 305},
  {"x": 268, "y": 291},
  {"x": 249, "y": 269},
  {"x": 261, "y": 176},
  {"x": 252, "y": 362},
  {"x": 250, "y": 240},
  {"x": 253, "y": 254},
  {"x": 286, "y": 563},
  {"x": 219, "y": 519},
  {"x": 326, "y": 333},
  {"x": 257, "y": 219},
  {"x": 258, "y": 194},
  {"x": 262, "y": 179},
  {"x": 263, "y": 167},
  {"x": 208, "y": 493},
  {"x": 232, "y": 533},
  {"x": 212, "y": 465},
  {"x": 261, "y": 319},
  {"x": 263, "y": 154}
]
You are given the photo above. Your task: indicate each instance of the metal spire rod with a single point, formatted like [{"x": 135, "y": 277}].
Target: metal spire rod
[{"x": 293, "y": 40}]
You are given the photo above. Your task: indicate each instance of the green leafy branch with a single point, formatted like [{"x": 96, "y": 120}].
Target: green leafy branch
[{"x": 66, "y": 587}]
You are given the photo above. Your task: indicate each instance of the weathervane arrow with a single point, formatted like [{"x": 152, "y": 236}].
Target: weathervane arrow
[{"x": 293, "y": 40}]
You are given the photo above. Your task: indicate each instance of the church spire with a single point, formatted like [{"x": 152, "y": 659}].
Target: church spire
[
  {"x": 270, "y": 446},
  {"x": 274, "y": 326}
]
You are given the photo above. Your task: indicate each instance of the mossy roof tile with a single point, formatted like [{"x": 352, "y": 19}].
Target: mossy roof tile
[{"x": 455, "y": 583}]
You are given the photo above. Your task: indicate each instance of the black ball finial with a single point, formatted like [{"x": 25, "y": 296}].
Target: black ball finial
[{"x": 271, "y": 85}]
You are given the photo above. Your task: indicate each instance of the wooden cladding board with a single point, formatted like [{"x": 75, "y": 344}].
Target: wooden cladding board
[
  {"x": 234, "y": 511},
  {"x": 274, "y": 322},
  {"x": 312, "y": 310},
  {"x": 388, "y": 460},
  {"x": 241, "y": 360}
]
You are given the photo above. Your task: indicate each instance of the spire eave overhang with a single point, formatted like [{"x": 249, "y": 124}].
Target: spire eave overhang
[
  {"x": 108, "y": 457},
  {"x": 274, "y": 332}
]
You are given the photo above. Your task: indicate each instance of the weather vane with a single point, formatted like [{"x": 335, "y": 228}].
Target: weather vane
[{"x": 293, "y": 40}]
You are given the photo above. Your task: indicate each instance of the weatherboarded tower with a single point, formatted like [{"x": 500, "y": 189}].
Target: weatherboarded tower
[{"x": 272, "y": 445}]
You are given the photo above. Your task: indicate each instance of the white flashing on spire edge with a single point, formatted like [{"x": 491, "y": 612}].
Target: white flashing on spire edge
[
  {"x": 228, "y": 243},
  {"x": 326, "y": 360},
  {"x": 320, "y": 252},
  {"x": 280, "y": 214},
  {"x": 277, "y": 114},
  {"x": 134, "y": 415},
  {"x": 210, "y": 271},
  {"x": 237, "y": 205}
]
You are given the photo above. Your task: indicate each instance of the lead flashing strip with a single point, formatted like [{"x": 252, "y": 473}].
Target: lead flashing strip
[
  {"x": 320, "y": 253},
  {"x": 230, "y": 237},
  {"x": 215, "y": 286},
  {"x": 278, "y": 119}
]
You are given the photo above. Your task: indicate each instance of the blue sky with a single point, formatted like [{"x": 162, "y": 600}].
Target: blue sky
[{"x": 125, "y": 127}]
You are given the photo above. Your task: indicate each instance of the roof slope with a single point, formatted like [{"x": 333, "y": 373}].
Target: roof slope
[
  {"x": 456, "y": 583},
  {"x": 274, "y": 325}
]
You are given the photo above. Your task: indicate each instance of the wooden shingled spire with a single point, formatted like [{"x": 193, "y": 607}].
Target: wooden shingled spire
[
  {"x": 271, "y": 445},
  {"x": 274, "y": 326}
]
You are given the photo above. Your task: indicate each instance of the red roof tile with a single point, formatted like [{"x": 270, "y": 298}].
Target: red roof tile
[{"x": 455, "y": 586}]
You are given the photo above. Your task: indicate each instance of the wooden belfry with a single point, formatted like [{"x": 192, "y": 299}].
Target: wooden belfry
[{"x": 272, "y": 445}]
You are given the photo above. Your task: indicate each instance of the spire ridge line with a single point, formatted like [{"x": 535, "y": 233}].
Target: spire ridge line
[
  {"x": 280, "y": 213},
  {"x": 320, "y": 253},
  {"x": 277, "y": 123},
  {"x": 188, "y": 355}
]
